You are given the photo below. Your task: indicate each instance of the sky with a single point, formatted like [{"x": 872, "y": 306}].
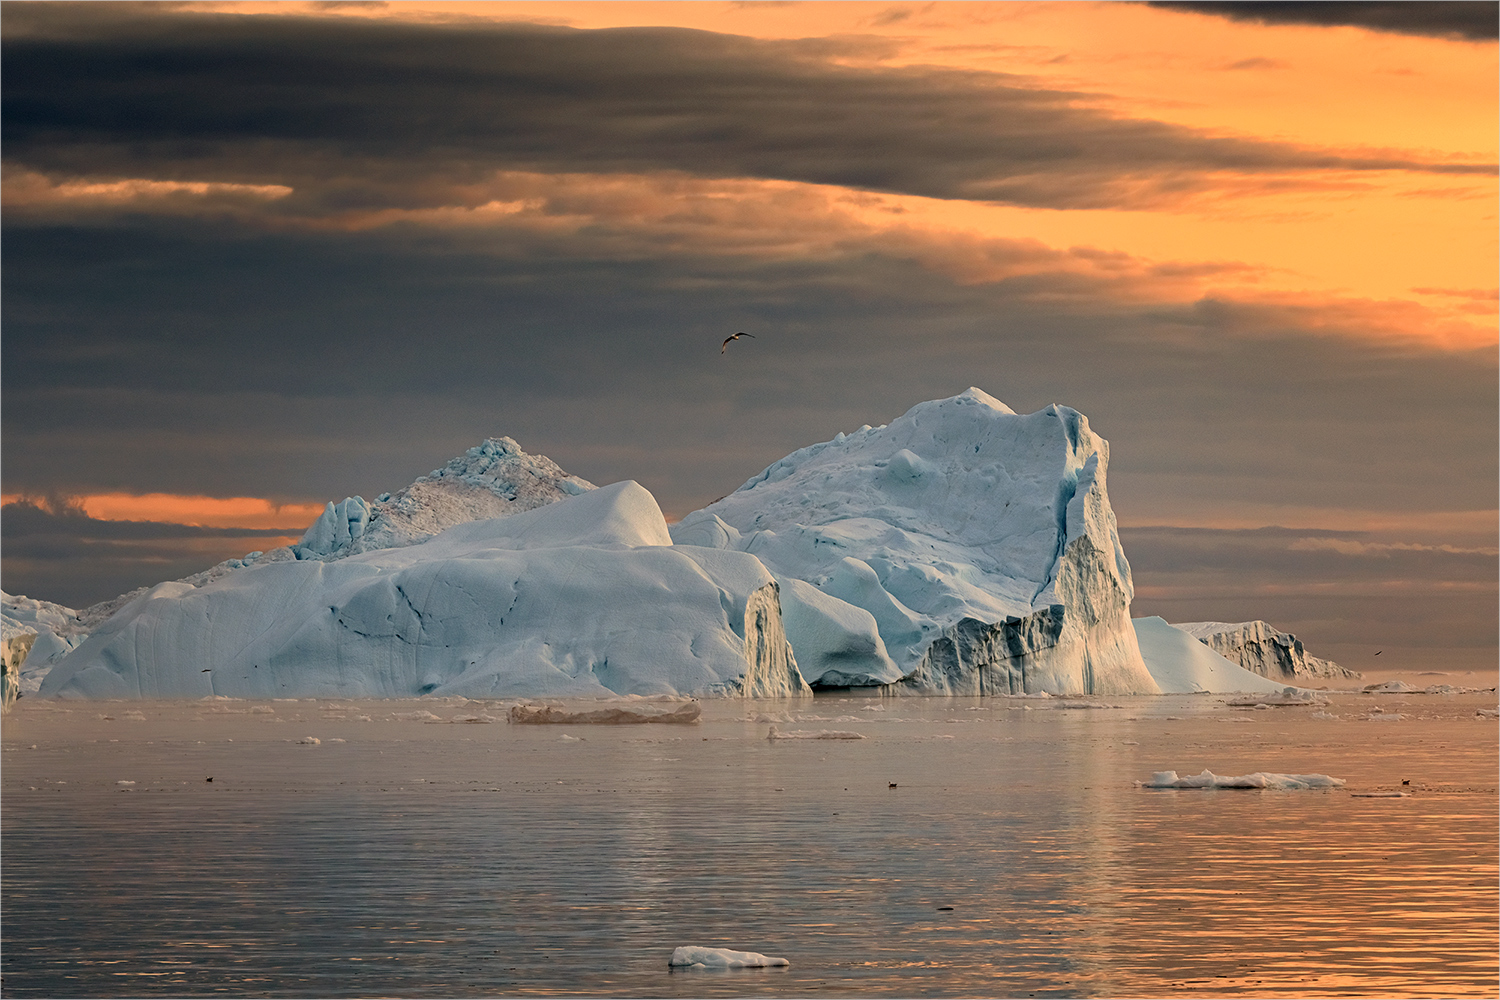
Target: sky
[{"x": 260, "y": 256}]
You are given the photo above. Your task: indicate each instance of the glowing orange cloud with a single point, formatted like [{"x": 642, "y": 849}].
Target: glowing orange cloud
[{"x": 201, "y": 511}]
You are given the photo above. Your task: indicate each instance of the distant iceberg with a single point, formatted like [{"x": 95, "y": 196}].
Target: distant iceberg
[
  {"x": 1181, "y": 664},
  {"x": 1263, "y": 649}
]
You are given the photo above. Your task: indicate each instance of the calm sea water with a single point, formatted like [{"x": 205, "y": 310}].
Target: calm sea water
[{"x": 426, "y": 857}]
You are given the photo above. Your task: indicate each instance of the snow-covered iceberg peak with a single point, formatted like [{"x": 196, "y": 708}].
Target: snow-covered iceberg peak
[
  {"x": 980, "y": 540},
  {"x": 495, "y": 478}
]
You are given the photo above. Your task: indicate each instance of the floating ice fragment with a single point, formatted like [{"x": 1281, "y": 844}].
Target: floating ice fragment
[
  {"x": 1287, "y": 696},
  {"x": 545, "y": 714},
  {"x": 1260, "y": 779},
  {"x": 1379, "y": 795},
  {"x": 1379, "y": 716},
  {"x": 1389, "y": 687},
  {"x": 310, "y": 741},
  {"x": 1085, "y": 704},
  {"x": 721, "y": 958},
  {"x": 803, "y": 734},
  {"x": 125, "y": 784},
  {"x": 419, "y": 716},
  {"x": 1483, "y": 713}
]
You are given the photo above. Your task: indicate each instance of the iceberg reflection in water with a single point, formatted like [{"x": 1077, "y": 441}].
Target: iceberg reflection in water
[{"x": 410, "y": 852}]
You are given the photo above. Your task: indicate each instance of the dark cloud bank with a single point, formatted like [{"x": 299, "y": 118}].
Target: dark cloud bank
[
  {"x": 1470, "y": 20},
  {"x": 405, "y": 111}
]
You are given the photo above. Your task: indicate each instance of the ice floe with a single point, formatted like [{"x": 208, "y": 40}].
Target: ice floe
[
  {"x": 1285, "y": 697},
  {"x": 806, "y": 734},
  {"x": 691, "y": 957},
  {"x": 611, "y": 716},
  {"x": 1260, "y": 779}
]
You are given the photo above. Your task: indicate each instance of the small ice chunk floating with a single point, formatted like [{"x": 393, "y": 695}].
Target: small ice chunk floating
[
  {"x": 806, "y": 734},
  {"x": 534, "y": 715},
  {"x": 691, "y": 957},
  {"x": 1260, "y": 779}
]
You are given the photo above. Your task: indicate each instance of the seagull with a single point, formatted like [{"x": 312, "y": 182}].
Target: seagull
[{"x": 735, "y": 337}]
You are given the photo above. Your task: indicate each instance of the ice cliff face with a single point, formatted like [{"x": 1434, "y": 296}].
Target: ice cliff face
[
  {"x": 34, "y": 635},
  {"x": 584, "y": 597},
  {"x": 980, "y": 542},
  {"x": 1259, "y": 647},
  {"x": 493, "y": 479}
]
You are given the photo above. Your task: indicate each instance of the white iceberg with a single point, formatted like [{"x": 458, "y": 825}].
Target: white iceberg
[
  {"x": 1263, "y": 649},
  {"x": 584, "y": 597},
  {"x": 1180, "y": 664},
  {"x": 692, "y": 957},
  {"x": 980, "y": 541},
  {"x": 1260, "y": 779}
]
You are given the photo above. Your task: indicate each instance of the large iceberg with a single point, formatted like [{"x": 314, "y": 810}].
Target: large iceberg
[
  {"x": 1261, "y": 648},
  {"x": 582, "y": 597},
  {"x": 981, "y": 543}
]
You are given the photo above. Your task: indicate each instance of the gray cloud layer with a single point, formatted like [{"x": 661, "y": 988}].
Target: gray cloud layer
[
  {"x": 1472, "y": 20},
  {"x": 408, "y": 110}
]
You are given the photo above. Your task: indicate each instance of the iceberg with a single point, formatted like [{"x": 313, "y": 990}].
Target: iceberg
[
  {"x": 981, "y": 542},
  {"x": 582, "y": 597},
  {"x": 1260, "y": 648},
  {"x": 1181, "y": 664}
]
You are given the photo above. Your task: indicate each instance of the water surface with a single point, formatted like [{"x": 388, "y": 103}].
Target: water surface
[{"x": 424, "y": 856}]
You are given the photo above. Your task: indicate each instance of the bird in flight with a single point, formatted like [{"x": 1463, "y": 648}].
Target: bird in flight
[{"x": 735, "y": 337}]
